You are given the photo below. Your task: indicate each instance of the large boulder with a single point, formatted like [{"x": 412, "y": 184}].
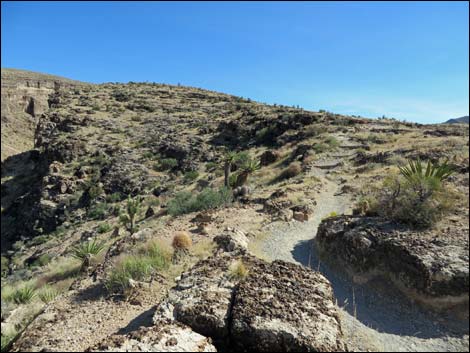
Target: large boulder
[
  {"x": 283, "y": 307},
  {"x": 431, "y": 267},
  {"x": 245, "y": 303}
]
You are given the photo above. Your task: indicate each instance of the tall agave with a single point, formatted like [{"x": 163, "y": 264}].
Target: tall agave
[{"x": 229, "y": 159}]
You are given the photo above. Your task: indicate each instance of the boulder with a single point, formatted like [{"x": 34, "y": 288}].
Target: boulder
[
  {"x": 430, "y": 267},
  {"x": 271, "y": 307},
  {"x": 283, "y": 307}
]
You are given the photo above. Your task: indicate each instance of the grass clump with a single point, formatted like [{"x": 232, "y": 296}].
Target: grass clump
[
  {"x": 104, "y": 228},
  {"x": 238, "y": 270},
  {"x": 291, "y": 171},
  {"x": 186, "y": 202},
  {"x": 167, "y": 164},
  {"x": 190, "y": 176},
  {"x": 137, "y": 267},
  {"x": 47, "y": 294}
]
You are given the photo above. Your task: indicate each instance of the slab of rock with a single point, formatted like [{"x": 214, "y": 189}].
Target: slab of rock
[
  {"x": 283, "y": 307},
  {"x": 433, "y": 268},
  {"x": 165, "y": 338},
  {"x": 273, "y": 307}
]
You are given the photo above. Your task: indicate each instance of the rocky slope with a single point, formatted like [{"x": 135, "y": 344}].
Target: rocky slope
[{"x": 97, "y": 145}]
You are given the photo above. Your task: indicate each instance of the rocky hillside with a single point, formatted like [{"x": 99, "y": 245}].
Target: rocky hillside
[
  {"x": 25, "y": 96},
  {"x": 133, "y": 213},
  {"x": 461, "y": 120}
]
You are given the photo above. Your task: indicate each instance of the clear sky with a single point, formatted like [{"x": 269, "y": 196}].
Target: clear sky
[{"x": 403, "y": 60}]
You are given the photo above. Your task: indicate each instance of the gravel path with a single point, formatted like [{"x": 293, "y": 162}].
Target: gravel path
[{"x": 375, "y": 316}]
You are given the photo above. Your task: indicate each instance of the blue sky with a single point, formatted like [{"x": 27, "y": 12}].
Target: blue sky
[{"x": 404, "y": 60}]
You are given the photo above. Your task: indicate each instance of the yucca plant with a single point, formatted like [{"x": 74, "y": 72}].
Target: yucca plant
[
  {"x": 229, "y": 159},
  {"x": 249, "y": 167},
  {"x": 85, "y": 251},
  {"x": 48, "y": 294},
  {"x": 414, "y": 171},
  {"x": 24, "y": 294},
  {"x": 133, "y": 206}
]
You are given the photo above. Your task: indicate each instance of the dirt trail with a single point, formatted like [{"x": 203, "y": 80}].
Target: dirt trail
[{"x": 375, "y": 317}]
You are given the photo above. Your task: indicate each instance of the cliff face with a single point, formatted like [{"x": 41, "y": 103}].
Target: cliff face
[{"x": 24, "y": 97}]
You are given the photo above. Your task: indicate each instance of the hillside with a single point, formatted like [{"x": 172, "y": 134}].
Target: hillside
[
  {"x": 24, "y": 97},
  {"x": 461, "y": 120},
  {"x": 98, "y": 180}
]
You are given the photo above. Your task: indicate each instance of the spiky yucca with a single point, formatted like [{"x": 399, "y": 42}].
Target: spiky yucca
[
  {"x": 85, "y": 251},
  {"x": 133, "y": 206},
  {"x": 414, "y": 171}
]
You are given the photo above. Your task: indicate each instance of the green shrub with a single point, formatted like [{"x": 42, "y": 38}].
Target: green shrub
[
  {"x": 332, "y": 141},
  {"x": 86, "y": 251},
  {"x": 128, "y": 219},
  {"x": 42, "y": 260},
  {"x": 416, "y": 197},
  {"x": 320, "y": 147},
  {"x": 186, "y": 202},
  {"x": 98, "y": 211},
  {"x": 103, "y": 228},
  {"x": 114, "y": 197},
  {"x": 167, "y": 164},
  {"x": 190, "y": 176}
]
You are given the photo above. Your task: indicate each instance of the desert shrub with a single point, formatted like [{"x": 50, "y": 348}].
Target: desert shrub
[
  {"x": 98, "y": 211},
  {"x": 291, "y": 171},
  {"x": 211, "y": 166},
  {"x": 238, "y": 270},
  {"x": 114, "y": 197},
  {"x": 182, "y": 241},
  {"x": 332, "y": 141},
  {"x": 7, "y": 339},
  {"x": 47, "y": 294},
  {"x": 167, "y": 164},
  {"x": 417, "y": 197},
  {"x": 314, "y": 130},
  {"x": 320, "y": 147},
  {"x": 190, "y": 176},
  {"x": 42, "y": 260},
  {"x": 186, "y": 202},
  {"x": 103, "y": 228}
]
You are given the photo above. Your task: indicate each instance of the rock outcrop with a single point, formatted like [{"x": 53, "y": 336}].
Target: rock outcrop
[
  {"x": 269, "y": 307},
  {"x": 432, "y": 268}
]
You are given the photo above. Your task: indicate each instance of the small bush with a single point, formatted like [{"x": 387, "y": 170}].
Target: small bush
[
  {"x": 190, "y": 176},
  {"x": 320, "y": 147},
  {"x": 42, "y": 260},
  {"x": 98, "y": 211},
  {"x": 291, "y": 171},
  {"x": 86, "y": 251},
  {"x": 104, "y": 228},
  {"x": 238, "y": 270},
  {"x": 4, "y": 266},
  {"x": 167, "y": 164},
  {"x": 186, "y": 202},
  {"x": 182, "y": 241},
  {"x": 114, "y": 197},
  {"x": 332, "y": 141}
]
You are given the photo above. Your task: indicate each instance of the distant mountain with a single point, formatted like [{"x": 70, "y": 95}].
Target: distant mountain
[{"x": 461, "y": 120}]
